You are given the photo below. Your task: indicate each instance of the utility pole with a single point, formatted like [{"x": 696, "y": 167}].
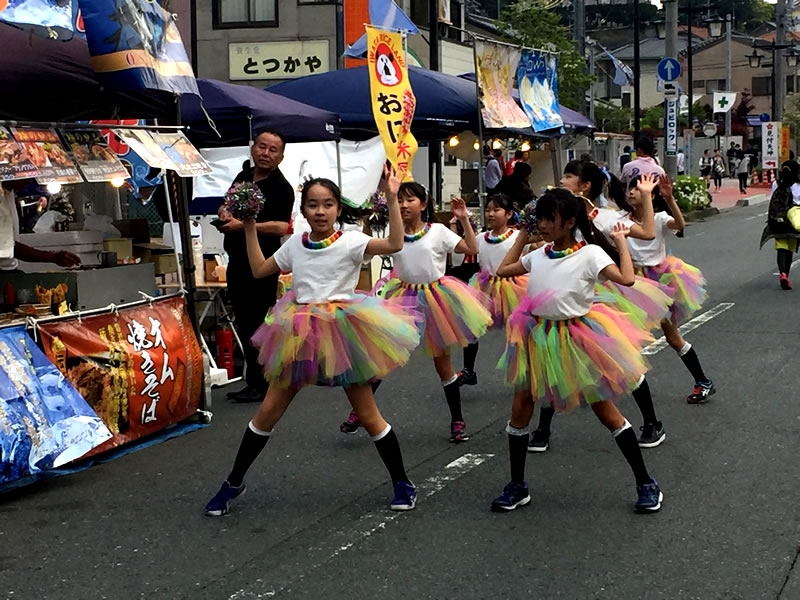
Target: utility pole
[
  {"x": 671, "y": 50},
  {"x": 580, "y": 35},
  {"x": 637, "y": 101},
  {"x": 592, "y": 46},
  {"x": 434, "y": 147},
  {"x": 690, "y": 91},
  {"x": 779, "y": 65},
  {"x": 728, "y": 76}
]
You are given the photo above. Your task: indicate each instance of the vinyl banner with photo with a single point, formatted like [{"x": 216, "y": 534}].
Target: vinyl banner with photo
[
  {"x": 496, "y": 66},
  {"x": 537, "y": 78},
  {"x": 140, "y": 369},
  {"x": 50, "y": 157},
  {"x": 14, "y": 160},
  {"x": 95, "y": 159}
]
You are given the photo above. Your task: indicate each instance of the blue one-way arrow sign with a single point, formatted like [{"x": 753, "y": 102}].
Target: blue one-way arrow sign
[{"x": 669, "y": 69}]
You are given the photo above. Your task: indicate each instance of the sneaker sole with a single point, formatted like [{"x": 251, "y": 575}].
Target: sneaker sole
[
  {"x": 655, "y": 443},
  {"x": 651, "y": 509},
  {"x": 524, "y": 502},
  {"x": 347, "y": 432},
  {"x": 404, "y": 507},
  {"x": 461, "y": 440},
  {"x": 544, "y": 448},
  {"x": 225, "y": 511}
]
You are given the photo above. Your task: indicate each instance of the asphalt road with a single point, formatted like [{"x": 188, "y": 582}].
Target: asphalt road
[{"x": 315, "y": 521}]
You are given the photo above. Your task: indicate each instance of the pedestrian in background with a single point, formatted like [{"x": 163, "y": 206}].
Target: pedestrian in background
[
  {"x": 492, "y": 174},
  {"x": 731, "y": 156},
  {"x": 625, "y": 158},
  {"x": 680, "y": 160},
  {"x": 717, "y": 170},
  {"x": 743, "y": 172},
  {"x": 705, "y": 165}
]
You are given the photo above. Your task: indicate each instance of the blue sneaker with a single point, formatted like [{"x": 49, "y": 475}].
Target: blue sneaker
[
  {"x": 650, "y": 497},
  {"x": 220, "y": 505},
  {"x": 514, "y": 495},
  {"x": 405, "y": 496}
]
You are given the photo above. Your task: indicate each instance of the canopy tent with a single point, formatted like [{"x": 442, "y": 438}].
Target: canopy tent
[
  {"x": 53, "y": 80},
  {"x": 445, "y": 104},
  {"x": 239, "y": 110},
  {"x": 572, "y": 120}
]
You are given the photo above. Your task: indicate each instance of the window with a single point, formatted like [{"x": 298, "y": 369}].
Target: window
[
  {"x": 245, "y": 13},
  {"x": 715, "y": 85},
  {"x": 613, "y": 90},
  {"x": 790, "y": 84},
  {"x": 456, "y": 18},
  {"x": 698, "y": 84},
  {"x": 626, "y": 100},
  {"x": 419, "y": 12},
  {"x": 762, "y": 86}
]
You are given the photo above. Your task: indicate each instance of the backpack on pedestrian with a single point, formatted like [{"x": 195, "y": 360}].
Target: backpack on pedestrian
[{"x": 779, "y": 204}]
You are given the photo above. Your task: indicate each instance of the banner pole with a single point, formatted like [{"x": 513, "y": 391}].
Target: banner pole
[{"x": 481, "y": 181}]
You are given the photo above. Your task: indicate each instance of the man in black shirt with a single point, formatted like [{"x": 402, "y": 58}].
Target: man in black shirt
[{"x": 252, "y": 298}]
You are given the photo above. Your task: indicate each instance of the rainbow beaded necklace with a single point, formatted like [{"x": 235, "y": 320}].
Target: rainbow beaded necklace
[
  {"x": 562, "y": 253},
  {"x": 414, "y": 237},
  {"x": 312, "y": 245},
  {"x": 499, "y": 239}
]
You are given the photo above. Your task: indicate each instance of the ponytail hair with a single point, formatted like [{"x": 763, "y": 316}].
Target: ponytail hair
[
  {"x": 615, "y": 190},
  {"x": 789, "y": 174},
  {"x": 412, "y": 189},
  {"x": 565, "y": 204},
  {"x": 349, "y": 214}
]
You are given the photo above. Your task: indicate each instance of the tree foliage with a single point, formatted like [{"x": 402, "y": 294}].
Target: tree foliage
[
  {"x": 612, "y": 118},
  {"x": 529, "y": 24},
  {"x": 747, "y": 14}
]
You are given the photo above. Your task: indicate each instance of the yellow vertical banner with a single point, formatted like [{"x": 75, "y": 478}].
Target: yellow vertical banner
[
  {"x": 393, "y": 101},
  {"x": 785, "y": 142}
]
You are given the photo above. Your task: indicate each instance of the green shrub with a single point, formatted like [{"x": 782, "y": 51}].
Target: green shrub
[{"x": 691, "y": 193}]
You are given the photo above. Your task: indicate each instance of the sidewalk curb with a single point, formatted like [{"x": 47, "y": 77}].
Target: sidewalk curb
[
  {"x": 752, "y": 200},
  {"x": 697, "y": 215}
]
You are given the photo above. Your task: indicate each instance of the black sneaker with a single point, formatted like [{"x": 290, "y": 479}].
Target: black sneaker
[
  {"x": 232, "y": 395},
  {"x": 249, "y": 394},
  {"x": 514, "y": 495},
  {"x": 650, "y": 497},
  {"x": 539, "y": 442},
  {"x": 702, "y": 392},
  {"x": 467, "y": 377},
  {"x": 351, "y": 425},
  {"x": 653, "y": 435}
]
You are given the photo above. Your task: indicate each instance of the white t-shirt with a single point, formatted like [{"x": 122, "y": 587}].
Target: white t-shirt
[
  {"x": 491, "y": 255},
  {"x": 327, "y": 274},
  {"x": 795, "y": 191},
  {"x": 649, "y": 253},
  {"x": 571, "y": 279},
  {"x": 425, "y": 260},
  {"x": 606, "y": 218},
  {"x": 9, "y": 230}
]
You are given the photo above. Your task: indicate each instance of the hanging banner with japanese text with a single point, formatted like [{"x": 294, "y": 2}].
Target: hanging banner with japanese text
[
  {"x": 44, "y": 422},
  {"x": 670, "y": 127},
  {"x": 770, "y": 144},
  {"x": 786, "y": 143},
  {"x": 46, "y": 152},
  {"x": 393, "y": 101},
  {"x": 14, "y": 160},
  {"x": 537, "y": 78},
  {"x": 140, "y": 370},
  {"x": 496, "y": 66},
  {"x": 96, "y": 160}
]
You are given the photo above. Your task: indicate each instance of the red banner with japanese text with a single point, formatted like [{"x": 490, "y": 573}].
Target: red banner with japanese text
[
  {"x": 140, "y": 369},
  {"x": 393, "y": 101}
]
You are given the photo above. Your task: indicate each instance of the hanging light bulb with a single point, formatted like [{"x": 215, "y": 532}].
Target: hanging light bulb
[
  {"x": 496, "y": 144},
  {"x": 53, "y": 187},
  {"x": 453, "y": 141},
  {"x": 476, "y": 145},
  {"x": 117, "y": 182},
  {"x": 525, "y": 146}
]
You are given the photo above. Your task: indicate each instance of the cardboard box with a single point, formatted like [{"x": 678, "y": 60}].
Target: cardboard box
[
  {"x": 165, "y": 263},
  {"x": 214, "y": 272},
  {"x": 122, "y": 246}
]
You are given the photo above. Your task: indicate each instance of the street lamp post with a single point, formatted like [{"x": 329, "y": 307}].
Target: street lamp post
[
  {"x": 754, "y": 60},
  {"x": 637, "y": 102}
]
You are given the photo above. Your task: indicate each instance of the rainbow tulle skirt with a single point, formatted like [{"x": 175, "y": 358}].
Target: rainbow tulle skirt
[
  {"x": 454, "y": 314},
  {"x": 505, "y": 294},
  {"x": 572, "y": 362},
  {"x": 685, "y": 283},
  {"x": 335, "y": 343},
  {"x": 646, "y": 302}
]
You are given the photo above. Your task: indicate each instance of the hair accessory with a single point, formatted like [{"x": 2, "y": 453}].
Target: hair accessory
[
  {"x": 499, "y": 239},
  {"x": 562, "y": 253},
  {"x": 311, "y": 245},
  {"x": 414, "y": 237},
  {"x": 606, "y": 173}
]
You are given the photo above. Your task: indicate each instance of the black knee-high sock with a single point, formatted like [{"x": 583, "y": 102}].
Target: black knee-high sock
[
  {"x": 470, "y": 354},
  {"x": 784, "y": 261},
  {"x": 644, "y": 400},
  {"x": 545, "y": 418},
  {"x": 389, "y": 450},
  {"x": 375, "y": 385},
  {"x": 517, "y": 453},
  {"x": 626, "y": 440},
  {"x": 689, "y": 358},
  {"x": 453, "y": 394},
  {"x": 253, "y": 443}
]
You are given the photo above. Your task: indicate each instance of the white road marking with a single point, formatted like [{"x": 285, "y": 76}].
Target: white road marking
[
  {"x": 794, "y": 262},
  {"x": 368, "y": 525},
  {"x": 691, "y": 325}
]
